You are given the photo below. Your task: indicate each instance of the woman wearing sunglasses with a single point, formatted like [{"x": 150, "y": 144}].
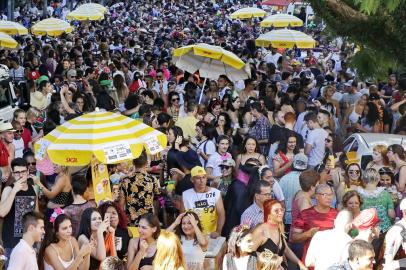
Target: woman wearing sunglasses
[
  {"x": 174, "y": 108},
  {"x": 270, "y": 234}
]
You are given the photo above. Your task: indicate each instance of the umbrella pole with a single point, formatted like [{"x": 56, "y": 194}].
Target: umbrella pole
[{"x": 201, "y": 92}]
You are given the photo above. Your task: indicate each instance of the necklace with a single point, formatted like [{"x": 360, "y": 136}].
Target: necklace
[
  {"x": 202, "y": 196},
  {"x": 272, "y": 226}
]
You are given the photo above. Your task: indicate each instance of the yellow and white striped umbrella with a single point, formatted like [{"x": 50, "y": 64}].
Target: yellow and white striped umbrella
[
  {"x": 110, "y": 137},
  {"x": 51, "y": 27},
  {"x": 211, "y": 62},
  {"x": 7, "y": 42},
  {"x": 12, "y": 28},
  {"x": 281, "y": 20},
  {"x": 86, "y": 13},
  {"x": 94, "y": 6},
  {"x": 285, "y": 38},
  {"x": 248, "y": 13}
]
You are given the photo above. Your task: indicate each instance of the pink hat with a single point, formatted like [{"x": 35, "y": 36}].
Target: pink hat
[{"x": 368, "y": 218}]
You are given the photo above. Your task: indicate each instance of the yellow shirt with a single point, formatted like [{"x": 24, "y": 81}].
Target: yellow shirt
[{"x": 188, "y": 125}]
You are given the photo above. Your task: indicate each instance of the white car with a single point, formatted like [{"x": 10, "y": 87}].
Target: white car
[{"x": 363, "y": 143}]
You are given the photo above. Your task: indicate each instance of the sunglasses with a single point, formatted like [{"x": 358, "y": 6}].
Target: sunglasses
[
  {"x": 175, "y": 99},
  {"x": 19, "y": 131},
  {"x": 353, "y": 172},
  {"x": 385, "y": 170},
  {"x": 328, "y": 140},
  {"x": 225, "y": 167},
  {"x": 31, "y": 163},
  {"x": 72, "y": 77}
]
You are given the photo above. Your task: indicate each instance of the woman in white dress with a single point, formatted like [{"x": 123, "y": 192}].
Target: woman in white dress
[{"x": 194, "y": 242}]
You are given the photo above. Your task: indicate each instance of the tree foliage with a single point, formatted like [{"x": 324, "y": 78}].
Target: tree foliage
[{"x": 377, "y": 26}]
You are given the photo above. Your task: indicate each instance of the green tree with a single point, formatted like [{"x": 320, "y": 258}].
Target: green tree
[{"x": 377, "y": 26}]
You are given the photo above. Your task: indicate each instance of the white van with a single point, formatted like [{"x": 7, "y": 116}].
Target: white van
[
  {"x": 295, "y": 8},
  {"x": 7, "y": 95}
]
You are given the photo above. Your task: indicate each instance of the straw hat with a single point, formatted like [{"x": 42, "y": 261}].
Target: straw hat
[{"x": 6, "y": 126}]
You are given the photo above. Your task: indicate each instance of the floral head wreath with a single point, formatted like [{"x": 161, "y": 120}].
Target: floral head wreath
[
  {"x": 267, "y": 254},
  {"x": 57, "y": 212},
  {"x": 241, "y": 227}
]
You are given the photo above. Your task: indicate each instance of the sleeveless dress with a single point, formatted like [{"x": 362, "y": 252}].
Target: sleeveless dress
[
  {"x": 194, "y": 254},
  {"x": 274, "y": 247},
  {"x": 230, "y": 264},
  {"x": 65, "y": 264}
]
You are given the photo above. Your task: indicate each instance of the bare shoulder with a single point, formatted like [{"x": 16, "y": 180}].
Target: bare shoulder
[{"x": 82, "y": 239}]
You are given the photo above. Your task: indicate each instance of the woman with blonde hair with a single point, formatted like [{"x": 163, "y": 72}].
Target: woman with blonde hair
[
  {"x": 267, "y": 260},
  {"x": 379, "y": 157},
  {"x": 169, "y": 254}
]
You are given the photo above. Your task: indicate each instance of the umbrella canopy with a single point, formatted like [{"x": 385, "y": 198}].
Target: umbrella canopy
[
  {"x": 51, "y": 27},
  {"x": 278, "y": 3},
  {"x": 285, "y": 38},
  {"x": 210, "y": 61},
  {"x": 7, "y": 42},
  {"x": 248, "y": 13},
  {"x": 12, "y": 28},
  {"x": 95, "y": 6},
  {"x": 85, "y": 14},
  {"x": 110, "y": 137},
  {"x": 281, "y": 20}
]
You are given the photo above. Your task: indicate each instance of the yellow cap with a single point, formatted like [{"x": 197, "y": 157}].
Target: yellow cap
[{"x": 197, "y": 171}]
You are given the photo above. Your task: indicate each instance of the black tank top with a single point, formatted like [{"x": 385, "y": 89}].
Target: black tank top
[
  {"x": 270, "y": 245},
  {"x": 146, "y": 260},
  {"x": 396, "y": 176},
  {"x": 24, "y": 202}
]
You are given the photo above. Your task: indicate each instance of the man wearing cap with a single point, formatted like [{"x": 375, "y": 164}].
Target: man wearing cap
[
  {"x": 352, "y": 95},
  {"x": 395, "y": 239},
  {"x": 7, "y": 148},
  {"x": 206, "y": 202},
  {"x": 290, "y": 184},
  {"x": 254, "y": 214}
]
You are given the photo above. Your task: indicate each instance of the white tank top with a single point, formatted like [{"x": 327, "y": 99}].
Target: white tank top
[
  {"x": 204, "y": 205},
  {"x": 64, "y": 263},
  {"x": 194, "y": 254}
]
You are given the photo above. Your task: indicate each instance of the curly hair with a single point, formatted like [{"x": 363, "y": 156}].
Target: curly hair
[{"x": 122, "y": 217}]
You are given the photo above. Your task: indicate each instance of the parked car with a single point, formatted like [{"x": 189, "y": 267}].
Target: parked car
[
  {"x": 363, "y": 143},
  {"x": 7, "y": 95}
]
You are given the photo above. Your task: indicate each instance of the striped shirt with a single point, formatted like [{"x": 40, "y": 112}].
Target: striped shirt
[{"x": 252, "y": 216}]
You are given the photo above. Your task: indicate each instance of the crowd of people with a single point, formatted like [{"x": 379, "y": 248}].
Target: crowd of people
[{"x": 259, "y": 162}]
